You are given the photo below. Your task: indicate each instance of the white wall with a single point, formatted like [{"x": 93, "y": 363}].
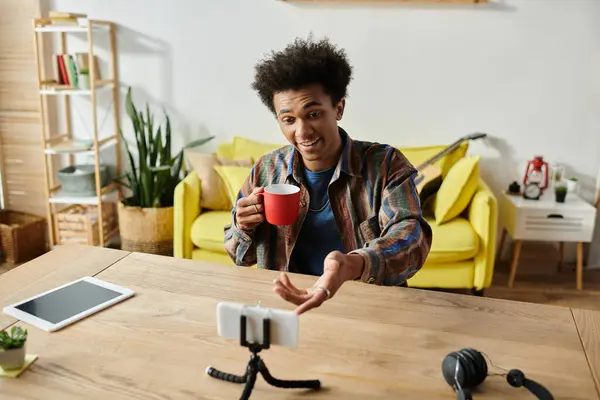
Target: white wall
[{"x": 527, "y": 72}]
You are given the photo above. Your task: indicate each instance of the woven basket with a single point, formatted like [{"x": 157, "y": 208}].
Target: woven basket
[
  {"x": 146, "y": 230},
  {"x": 23, "y": 236}
]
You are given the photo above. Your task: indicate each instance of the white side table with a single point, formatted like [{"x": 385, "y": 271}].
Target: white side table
[{"x": 547, "y": 220}]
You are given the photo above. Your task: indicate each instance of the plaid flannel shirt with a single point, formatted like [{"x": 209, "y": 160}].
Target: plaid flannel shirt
[{"x": 374, "y": 202}]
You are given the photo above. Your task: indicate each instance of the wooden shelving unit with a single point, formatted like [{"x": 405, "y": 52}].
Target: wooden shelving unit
[{"x": 66, "y": 144}]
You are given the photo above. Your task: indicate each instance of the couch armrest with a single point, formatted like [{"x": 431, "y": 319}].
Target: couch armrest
[
  {"x": 186, "y": 208},
  {"x": 483, "y": 216}
]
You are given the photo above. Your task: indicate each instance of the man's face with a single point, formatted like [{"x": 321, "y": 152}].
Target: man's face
[{"x": 309, "y": 122}]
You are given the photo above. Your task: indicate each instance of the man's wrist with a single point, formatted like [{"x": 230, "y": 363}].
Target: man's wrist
[{"x": 355, "y": 266}]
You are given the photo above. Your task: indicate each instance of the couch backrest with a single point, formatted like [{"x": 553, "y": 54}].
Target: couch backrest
[{"x": 243, "y": 148}]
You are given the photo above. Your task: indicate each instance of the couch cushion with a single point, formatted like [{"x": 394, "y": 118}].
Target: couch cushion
[
  {"x": 244, "y": 148},
  {"x": 208, "y": 230},
  {"x": 212, "y": 257},
  {"x": 457, "y": 189},
  {"x": 233, "y": 178},
  {"x": 214, "y": 194},
  {"x": 453, "y": 241},
  {"x": 225, "y": 150}
]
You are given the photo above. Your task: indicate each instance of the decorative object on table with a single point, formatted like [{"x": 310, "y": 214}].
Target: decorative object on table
[
  {"x": 83, "y": 81},
  {"x": 514, "y": 188},
  {"x": 467, "y": 368},
  {"x": 572, "y": 185},
  {"x": 12, "y": 348},
  {"x": 23, "y": 236},
  {"x": 560, "y": 193},
  {"x": 535, "y": 179},
  {"x": 14, "y": 373},
  {"x": 146, "y": 216},
  {"x": 256, "y": 364},
  {"x": 80, "y": 180},
  {"x": 558, "y": 173}
]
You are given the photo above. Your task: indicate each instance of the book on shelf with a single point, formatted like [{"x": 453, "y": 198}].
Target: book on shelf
[
  {"x": 68, "y": 68},
  {"x": 67, "y": 18}
]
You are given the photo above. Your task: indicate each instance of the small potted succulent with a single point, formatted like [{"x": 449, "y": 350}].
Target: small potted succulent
[
  {"x": 560, "y": 193},
  {"x": 572, "y": 185},
  {"x": 83, "y": 80},
  {"x": 12, "y": 348}
]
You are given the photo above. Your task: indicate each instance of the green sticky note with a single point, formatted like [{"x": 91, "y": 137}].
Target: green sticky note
[{"x": 13, "y": 373}]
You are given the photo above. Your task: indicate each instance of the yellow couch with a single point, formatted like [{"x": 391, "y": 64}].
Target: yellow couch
[{"x": 462, "y": 253}]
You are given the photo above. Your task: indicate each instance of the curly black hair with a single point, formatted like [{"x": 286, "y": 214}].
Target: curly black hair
[{"x": 302, "y": 63}]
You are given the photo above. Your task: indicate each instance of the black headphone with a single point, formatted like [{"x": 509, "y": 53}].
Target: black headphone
[{"x": 467, "y": 368}]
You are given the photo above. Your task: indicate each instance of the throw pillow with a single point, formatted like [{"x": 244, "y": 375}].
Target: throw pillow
[
  {"x": 244, "y": 148},
  {"x": 457, "y": 189},
  {"x": 233, "y": 177},
  {"x": 214, "y": 192}
]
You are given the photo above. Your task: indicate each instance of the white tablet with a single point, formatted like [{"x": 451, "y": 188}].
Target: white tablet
[{"x": 61, "y": 306}]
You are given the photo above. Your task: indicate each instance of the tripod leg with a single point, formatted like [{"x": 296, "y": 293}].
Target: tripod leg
[
  {"x": 284, "y": 384},
  {"x": 215, "y": 373},
  {"x": 251, "y": 375}
]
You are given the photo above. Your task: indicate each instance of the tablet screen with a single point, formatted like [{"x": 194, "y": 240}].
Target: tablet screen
[{"x": 71, "y": 300}]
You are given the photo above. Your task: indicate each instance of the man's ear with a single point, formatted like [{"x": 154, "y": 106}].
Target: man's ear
[{"x": 339, "y": 108}]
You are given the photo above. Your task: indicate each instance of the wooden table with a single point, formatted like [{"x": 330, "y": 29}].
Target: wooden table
[{"x": 367, "y": 342}]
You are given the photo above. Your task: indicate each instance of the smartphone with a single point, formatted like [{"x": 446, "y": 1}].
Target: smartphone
[{"x": 283, "y": 323}]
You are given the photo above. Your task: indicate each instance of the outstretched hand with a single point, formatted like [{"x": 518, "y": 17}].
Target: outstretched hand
[{"x": 337, "y": 269}]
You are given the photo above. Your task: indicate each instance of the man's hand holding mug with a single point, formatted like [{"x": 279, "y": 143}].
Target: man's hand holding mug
[
  {"x": 278, "y": 204},
  {"x": 249, "y": 212}
]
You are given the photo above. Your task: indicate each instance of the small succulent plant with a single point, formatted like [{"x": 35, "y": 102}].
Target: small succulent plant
[
  {"x": 560, "y": 189},
  {"x": 15, "y": 340}
]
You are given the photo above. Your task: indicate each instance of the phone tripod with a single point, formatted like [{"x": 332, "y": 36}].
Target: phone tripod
[{"x": 256, "y": 365}]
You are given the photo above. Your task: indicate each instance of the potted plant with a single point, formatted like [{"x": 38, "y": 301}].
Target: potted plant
[
  {"x": 12, "y": 348},
  {"x": 560, "y": 193},
  {"x": 572, "y": 185},
  {"x": 146, "y": 215},
  {"x": 83, "y": 80}
]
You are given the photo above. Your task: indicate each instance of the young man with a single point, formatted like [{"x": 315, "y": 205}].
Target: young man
[{"x": 360, "y": 217}]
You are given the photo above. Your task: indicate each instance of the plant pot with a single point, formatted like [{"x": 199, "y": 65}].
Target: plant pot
[
  {"x": 571, "y": 187},
  {"x": 560, "y": 196},
  {"x": 146, "y": 230},
  {"x": 12, "y": 359},
  {"x": 83, "y": 81}
]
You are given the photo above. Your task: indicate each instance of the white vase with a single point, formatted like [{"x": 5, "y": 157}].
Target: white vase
[
  {"x": 571, "y": 188},
  {"x": 12, "y": 359}
]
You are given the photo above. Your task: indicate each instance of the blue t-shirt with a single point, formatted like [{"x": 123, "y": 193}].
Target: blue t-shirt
[{"x": 319, "y": 234}]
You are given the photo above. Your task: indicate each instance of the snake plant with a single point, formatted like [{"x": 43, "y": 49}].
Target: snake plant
[
  {"x": 154, "y": 172},
  {"x": 15, "y": 340}
]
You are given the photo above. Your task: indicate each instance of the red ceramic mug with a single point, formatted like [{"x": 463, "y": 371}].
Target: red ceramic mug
[{"x": 282, "y": 203}]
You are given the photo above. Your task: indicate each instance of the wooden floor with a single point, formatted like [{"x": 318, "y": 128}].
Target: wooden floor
[{"x": 537, "y": 280}]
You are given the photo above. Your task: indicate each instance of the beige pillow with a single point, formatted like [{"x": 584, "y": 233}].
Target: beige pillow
[{"x": 214, "y": 192}]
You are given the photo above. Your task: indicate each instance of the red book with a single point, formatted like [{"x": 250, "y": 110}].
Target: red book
[{"x": 63, "y": 71}]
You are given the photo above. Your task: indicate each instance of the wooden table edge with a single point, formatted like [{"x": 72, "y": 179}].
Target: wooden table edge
[
  {"x": 592, "y": 353},
  {"x": 129, "y": 253}
]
